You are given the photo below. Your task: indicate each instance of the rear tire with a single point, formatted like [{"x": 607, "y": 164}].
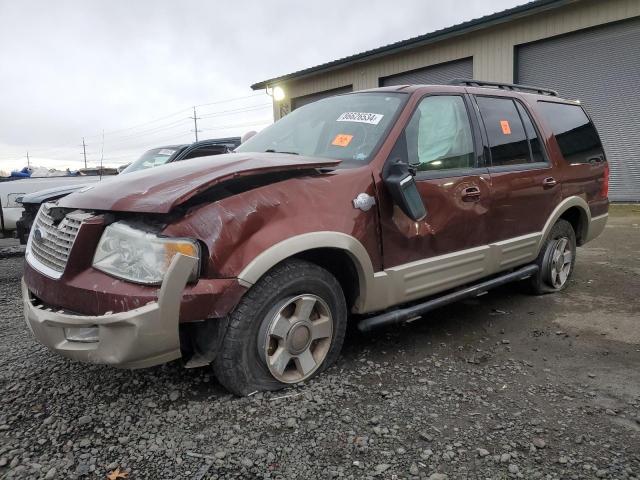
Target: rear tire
[
  {"x": 289, "y": 327},
  {"x": 556, "y": 260}
]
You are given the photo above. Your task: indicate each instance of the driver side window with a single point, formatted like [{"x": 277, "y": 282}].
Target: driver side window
[{"x": 439, "y": 134}]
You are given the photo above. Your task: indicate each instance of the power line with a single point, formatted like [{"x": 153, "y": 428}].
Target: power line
[
  {"x": 151, "y": 137},
  {"x": 126, "y": 137},
  {"x": 157, "y": 128},
  {"x": 236, "y": 111},
  {"x": 131, "y": 133},
  {"x": 237, "y": 125},
  {"x": 117, "y": 130},
  {"x": 230, "y": 100},
  {"x": 134, "y": 144},
  {"x": 146, "y": 142},
  {"x": 178, "y": 112},
  {"x": 149, "y": 131}
]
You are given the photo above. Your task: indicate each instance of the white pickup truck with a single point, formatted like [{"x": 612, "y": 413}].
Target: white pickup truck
[
  {"x": 52, "y": 188},
  {"x": 13, "y": 190}
]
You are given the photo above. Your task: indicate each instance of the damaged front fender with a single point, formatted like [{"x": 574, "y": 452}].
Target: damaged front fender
[{"x": 242, "y": 231}]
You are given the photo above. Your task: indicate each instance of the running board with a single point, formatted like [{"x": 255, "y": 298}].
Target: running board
[{"x": 403, "y": 314}]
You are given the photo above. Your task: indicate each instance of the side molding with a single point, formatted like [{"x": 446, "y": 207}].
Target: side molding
[
  {"x": 429, "y": 276},
  {"x": 309, "y": 241}
]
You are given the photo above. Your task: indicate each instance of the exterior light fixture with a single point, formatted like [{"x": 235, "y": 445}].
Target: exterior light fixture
[{"x": 277, "y": 93}]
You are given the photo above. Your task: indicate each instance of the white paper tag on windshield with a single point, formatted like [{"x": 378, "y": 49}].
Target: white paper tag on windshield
[
  {"x": 361, "y": 117},
  {"x": 166, "y": 151}
]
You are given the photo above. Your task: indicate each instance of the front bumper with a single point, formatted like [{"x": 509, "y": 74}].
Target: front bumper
[{"x": 138, "y": 338}]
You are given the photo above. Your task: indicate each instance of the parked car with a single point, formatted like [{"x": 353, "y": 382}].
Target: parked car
[
  {"x": 11, "y": 192},
  {"x": 372, "y": 207},
  {"x": 151, "y": 158}
]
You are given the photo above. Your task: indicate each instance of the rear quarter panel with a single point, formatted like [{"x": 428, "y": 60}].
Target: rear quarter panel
[{"x": 577, "y": 179}]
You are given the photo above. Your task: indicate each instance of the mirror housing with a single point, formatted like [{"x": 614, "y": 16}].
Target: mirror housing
[{"x": 398, "y": 178}]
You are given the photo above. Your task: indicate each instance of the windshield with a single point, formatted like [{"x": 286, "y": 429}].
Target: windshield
[
  {"x": 346, "y": 127},
  {"x": 151, "y": 158}
]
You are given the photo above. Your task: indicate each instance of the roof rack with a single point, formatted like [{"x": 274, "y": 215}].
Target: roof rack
[{"x": 503, "y": 86}]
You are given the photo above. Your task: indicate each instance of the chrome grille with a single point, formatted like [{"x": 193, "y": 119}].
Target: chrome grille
[{"x": 50, "y": 243}]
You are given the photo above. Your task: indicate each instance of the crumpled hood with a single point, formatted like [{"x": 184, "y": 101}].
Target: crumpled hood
[{"x": 160, "y": 189}]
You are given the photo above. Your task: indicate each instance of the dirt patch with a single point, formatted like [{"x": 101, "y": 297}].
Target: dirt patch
[{"x": 616, "y": 326}]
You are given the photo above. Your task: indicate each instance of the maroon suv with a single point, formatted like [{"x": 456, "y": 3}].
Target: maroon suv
[{"x": 377, "y": 206}]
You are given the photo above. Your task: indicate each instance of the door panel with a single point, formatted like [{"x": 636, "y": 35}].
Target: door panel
[
  {"x": 521, "y": 203},
  {"x": 451, "y": 223},
  {"x": 525, "y": 187},
  {"x": 448, "y": 247}
]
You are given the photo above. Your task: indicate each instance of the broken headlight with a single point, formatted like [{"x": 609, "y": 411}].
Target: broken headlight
[{"x": 138, "y": 256}]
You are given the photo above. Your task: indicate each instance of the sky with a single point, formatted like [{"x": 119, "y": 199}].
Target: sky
[{"x": 125, "y": 74}]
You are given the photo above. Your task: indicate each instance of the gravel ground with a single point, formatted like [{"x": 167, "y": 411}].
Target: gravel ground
[
  {"x": 10, "y": 247},
  {"x": 504, "y": 386}
]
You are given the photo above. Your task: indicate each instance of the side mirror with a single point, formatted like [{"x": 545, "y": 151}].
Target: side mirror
[{"x": 398, "y": 178}]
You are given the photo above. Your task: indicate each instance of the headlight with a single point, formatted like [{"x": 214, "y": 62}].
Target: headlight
[{"x": 138, "y": 256}]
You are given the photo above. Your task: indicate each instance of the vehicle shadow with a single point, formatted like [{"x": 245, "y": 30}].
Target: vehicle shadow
[{"x": 466, "y": 323}]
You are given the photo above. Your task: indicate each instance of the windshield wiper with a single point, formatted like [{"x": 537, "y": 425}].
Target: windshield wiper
[{"x": 271, "y": 150}]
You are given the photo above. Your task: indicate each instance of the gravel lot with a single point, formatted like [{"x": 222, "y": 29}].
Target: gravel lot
[{"x": 504, "y": 386}]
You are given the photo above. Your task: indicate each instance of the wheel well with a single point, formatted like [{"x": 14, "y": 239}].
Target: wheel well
[
  {"x": 577, "y": 217},
  {"x": 341, "y": 265}
]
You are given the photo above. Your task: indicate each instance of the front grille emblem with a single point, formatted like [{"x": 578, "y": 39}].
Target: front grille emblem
[{"x": 39, "y": 234}]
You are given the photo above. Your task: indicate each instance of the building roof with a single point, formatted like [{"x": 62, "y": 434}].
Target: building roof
[{"x": 486, "y": 21}]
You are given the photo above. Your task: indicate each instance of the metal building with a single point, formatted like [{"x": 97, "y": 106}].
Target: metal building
[{"x": 586, "y": 49}]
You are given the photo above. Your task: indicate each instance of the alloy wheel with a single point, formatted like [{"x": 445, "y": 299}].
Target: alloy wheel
[
  {"x": 297, "y": 338},
  {"x": 560, "y": 263}
]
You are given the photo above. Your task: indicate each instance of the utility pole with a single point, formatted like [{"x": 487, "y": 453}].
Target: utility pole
[
  {"x": 102, "y": 153},
  {"x": 195, "y": 119},
  {"x": 84, "y": 152}
]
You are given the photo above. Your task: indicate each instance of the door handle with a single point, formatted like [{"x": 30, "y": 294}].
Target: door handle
[
  {"x": 549, "y": 182},
  {"x": 471, "y": 194}
]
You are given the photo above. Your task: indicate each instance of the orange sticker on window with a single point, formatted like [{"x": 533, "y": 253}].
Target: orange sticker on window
[
  {"x": 342, "y": 140},
  {"x": 506, "y": 129}
]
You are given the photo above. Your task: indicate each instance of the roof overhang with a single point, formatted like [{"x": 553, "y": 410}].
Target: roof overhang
[{"x": 487, "y": 21}]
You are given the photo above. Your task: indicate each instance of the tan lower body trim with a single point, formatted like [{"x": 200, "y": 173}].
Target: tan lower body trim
[
  {"x": 596, "y": 226},
  {"x": 404, "y": 283}
]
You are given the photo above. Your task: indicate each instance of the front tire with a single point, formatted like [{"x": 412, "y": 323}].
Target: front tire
[
  {"x": 556, "y": 260},
  {"x": 289, "y": 327}
]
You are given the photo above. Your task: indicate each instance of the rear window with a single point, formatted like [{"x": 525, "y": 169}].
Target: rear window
[{"x": 576, "y": 135}]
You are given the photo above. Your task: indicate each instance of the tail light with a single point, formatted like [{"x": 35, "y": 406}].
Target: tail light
[{"x": 604, "y": 189}]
